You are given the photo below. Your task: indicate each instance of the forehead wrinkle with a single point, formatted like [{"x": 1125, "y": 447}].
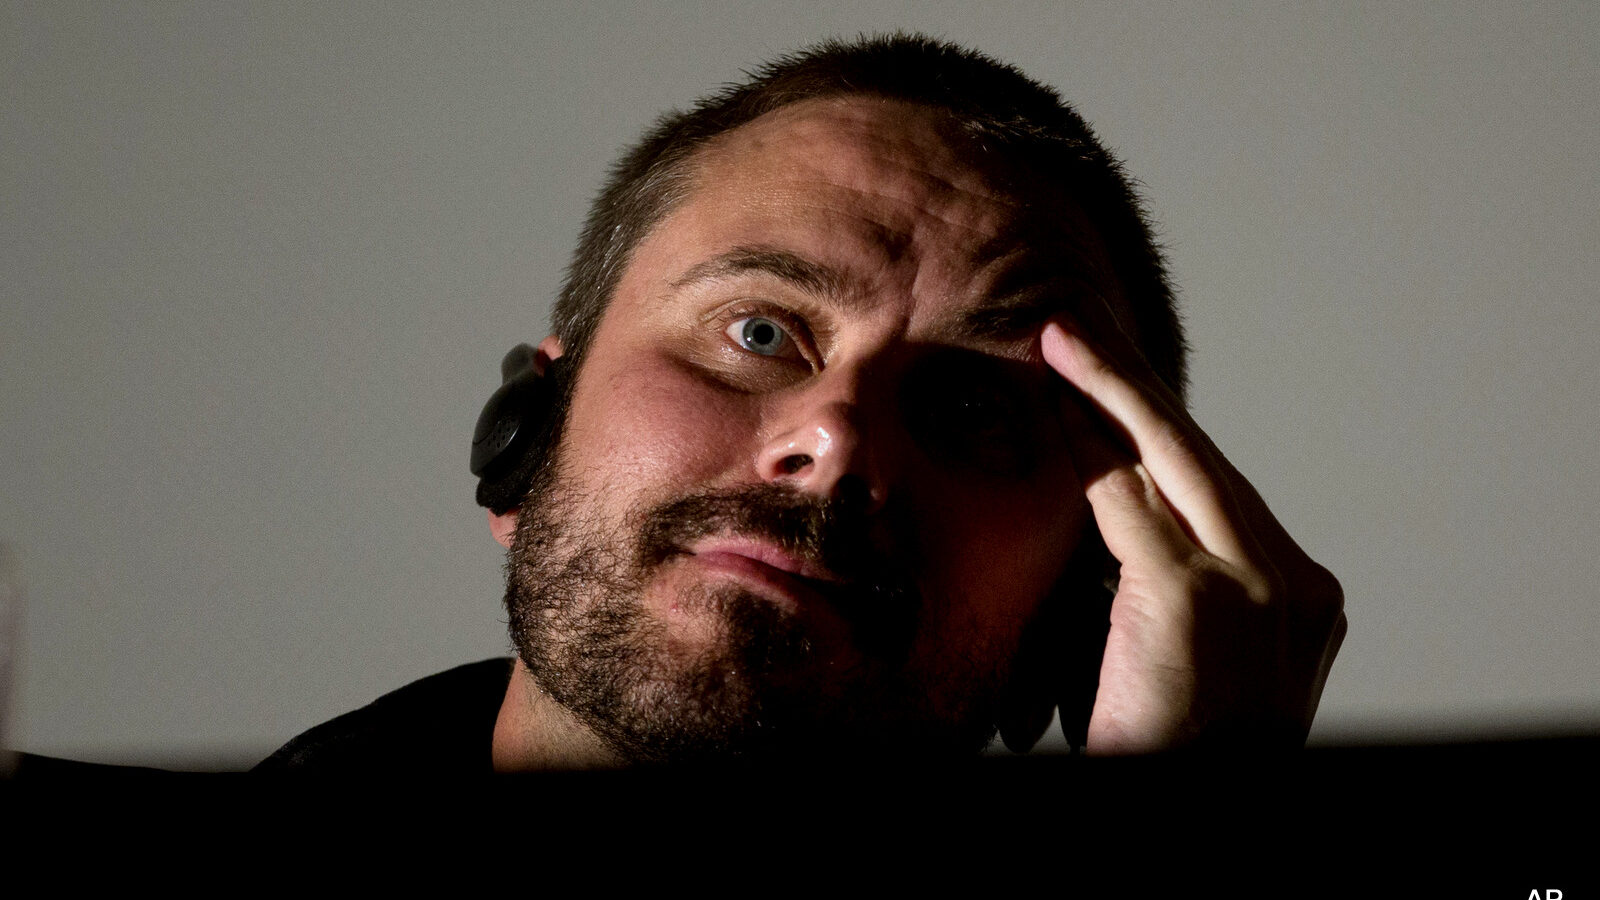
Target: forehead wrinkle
[
  {"x": 957, "y": 194},
  {"x": 893, "y": 212},
  {"x": 929, "y": 191},
  {"x": 923, "y": 139},
  {"x": 934, "y": 170}
]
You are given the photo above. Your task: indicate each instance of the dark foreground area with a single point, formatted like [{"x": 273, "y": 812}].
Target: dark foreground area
[{"x": 1493, "y": 819}]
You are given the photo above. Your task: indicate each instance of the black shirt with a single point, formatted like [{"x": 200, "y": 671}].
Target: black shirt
[{"x": 443, "y": 724}]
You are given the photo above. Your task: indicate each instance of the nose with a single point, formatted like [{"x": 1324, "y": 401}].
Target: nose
[{"x": 824, "y": 449}]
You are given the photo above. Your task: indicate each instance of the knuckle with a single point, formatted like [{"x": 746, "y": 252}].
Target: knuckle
[
  {"x": 1176, "y": 441},
  {"x": 1203, "y": 576},
  {"x": 1319, "y": 599},
  {"x": 1102, "y": 368},
  {"x": 1258, "y": 586},
  {"x": 1124, "y": 486},
  {"x": 1321, "y": 587},
  {"x": 1267, "y": 587}
]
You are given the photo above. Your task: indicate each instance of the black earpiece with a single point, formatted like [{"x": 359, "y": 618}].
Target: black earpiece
[{"x": 510, "y": 426}]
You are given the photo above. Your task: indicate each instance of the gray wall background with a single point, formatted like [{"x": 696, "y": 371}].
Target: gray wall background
[{"x": 260, "y": 261}]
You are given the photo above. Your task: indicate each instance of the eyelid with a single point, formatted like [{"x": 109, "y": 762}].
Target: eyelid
[{"x": 794, "y": 325}]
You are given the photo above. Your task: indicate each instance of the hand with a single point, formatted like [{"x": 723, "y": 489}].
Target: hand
[{"x": 1222, "y": 629}]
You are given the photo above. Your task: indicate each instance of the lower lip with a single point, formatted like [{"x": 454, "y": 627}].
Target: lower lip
[{"x": 791, "y": 589}]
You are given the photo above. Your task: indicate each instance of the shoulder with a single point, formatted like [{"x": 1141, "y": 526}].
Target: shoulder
[{"x": 442, "y": 724}]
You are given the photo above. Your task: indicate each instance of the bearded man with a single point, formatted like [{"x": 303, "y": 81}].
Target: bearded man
[{"x": 862, "y": 430}]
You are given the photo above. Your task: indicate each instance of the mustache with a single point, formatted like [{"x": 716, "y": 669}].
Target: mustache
[{"x": 875, "y": 594}]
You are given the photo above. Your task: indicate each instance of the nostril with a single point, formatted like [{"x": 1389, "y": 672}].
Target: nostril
[{"x": 794, "y": 463}]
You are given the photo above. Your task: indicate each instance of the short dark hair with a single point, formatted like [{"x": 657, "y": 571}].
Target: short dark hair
[{"x": 1027, "y": 121}]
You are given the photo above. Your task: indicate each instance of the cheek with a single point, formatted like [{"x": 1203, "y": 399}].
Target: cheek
[
  {"x": 995, "y": 554},
  {"x": 649, "y": 429}
]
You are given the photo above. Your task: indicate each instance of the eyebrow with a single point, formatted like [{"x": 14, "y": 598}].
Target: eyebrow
[
  {"x": 811, "y": 277},
  {"x": 1007, "y": 318},
  {"x": 1020, "y": 303}
]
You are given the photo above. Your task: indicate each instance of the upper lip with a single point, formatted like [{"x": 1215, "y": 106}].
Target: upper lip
[{"x": 766, "y": 553}]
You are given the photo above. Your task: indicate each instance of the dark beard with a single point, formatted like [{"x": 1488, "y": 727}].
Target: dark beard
[{"x": 758, "y": 687}]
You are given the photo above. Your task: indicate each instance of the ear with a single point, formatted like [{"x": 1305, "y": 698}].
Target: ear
[
  {"x": 549, "y": 349},
  {"x": 1024, "y": 716},
  {"x": 1058, "y": 661},
  {"x": 1028, "y": 703}
]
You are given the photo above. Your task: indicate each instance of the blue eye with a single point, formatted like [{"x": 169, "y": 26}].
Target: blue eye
[{"x": 760, "y": 335}]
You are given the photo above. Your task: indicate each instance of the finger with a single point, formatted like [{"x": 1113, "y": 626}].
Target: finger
[
  {"x": 1137, "y": 525},
  {"x": 1117, "y": 344},
  {"x": 1097, "y": 319},
  {"x": 1166, "y": 444},
  {"x": 1319, "y": 680}
]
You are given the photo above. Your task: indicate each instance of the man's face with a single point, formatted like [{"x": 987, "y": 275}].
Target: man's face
[{"x": 813, "y": 485}]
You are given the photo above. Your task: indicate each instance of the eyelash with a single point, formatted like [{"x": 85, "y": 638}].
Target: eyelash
[{"x": 793, "y": 326}]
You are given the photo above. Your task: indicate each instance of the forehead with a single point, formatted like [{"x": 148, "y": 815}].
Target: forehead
[
  {"x": 886, "y": 201},
  {"x": 902, "y": 160}
]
